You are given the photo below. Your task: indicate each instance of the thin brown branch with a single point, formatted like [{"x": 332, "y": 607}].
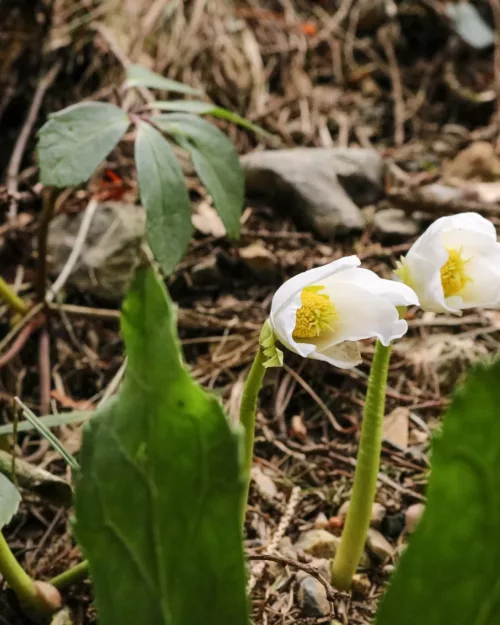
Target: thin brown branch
[
  {"x": 22, "y": 139},
  {"x": 331, "y": 593},
  {"x": 385, "y": 36},
  {"x": 20, "y": 341},
  {"x": 45, "y": 370}
]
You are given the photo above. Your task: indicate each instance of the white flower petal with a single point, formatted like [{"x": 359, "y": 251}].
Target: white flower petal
[
  {"x": 344, "y": 355},
  {"x": 484, "y": 289},
  {"x": 471, "y": 222},
  {"x": 292, "y": 287},
  {"x": 396, "y": 293},
  {"x": 469, "y": 243},
  {"x": 474, "y": 237},
  {"x": 361, "y": 315},
  {"x": 365, "y": 307},
  {"x": 283, "y": 324},
  {"x": 425, "y": 273}
]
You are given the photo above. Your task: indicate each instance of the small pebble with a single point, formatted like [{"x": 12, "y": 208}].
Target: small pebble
[
  {"x": 361, "y": 585},
  {"x": 379, "y": 546},
  {"x": 312, "y": 597},
  {"x": 318, "y": 543},
  {"x": 264, "y": 484},
  {"x": 413, "y": 516},
  {"x": 393, "y": 525},
  {"x": 321, "y": 521},
  {"x": 388, "y": 569}
]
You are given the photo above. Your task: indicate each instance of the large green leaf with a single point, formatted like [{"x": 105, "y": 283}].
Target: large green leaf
[
  {"x": 139, "y": 76},
  {"x": 216, "y": 163},
  {"x": 164, "y": 195},
  {"x": 159, "y": 492},
  {"x": 76, "y": 140},
  {"x": 9, "y": 500},
  {"x": 207, "y": 108},
  {"x": 450, "y": 572}
]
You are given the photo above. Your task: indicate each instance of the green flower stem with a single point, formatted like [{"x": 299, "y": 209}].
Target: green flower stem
[
  {"x": 12, "y": 299},
  {"x": 72, "y": 576},
  {"x": 364, "y": 490},
  {"x": 247, "y": 419},
  {"x": 20, "y": 582}
]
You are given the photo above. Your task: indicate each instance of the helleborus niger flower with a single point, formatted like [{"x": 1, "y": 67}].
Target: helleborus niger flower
[
  {"x": 454, "y": 265},
  {"x": 323, "y": 312}
]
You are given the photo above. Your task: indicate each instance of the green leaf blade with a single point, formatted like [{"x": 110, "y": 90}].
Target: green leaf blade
[
  {"x": 216, "y": 163},
  {"x": 164, "y": 196},
  {"x": 139, "y": 76},
  {"x": 158, "y": 495},
  {"x": 449, "y": 573},
  {"x": 207, "y": 108},
  {"x": 74, "y": 141},
  {"x": 10, "y": 498}
]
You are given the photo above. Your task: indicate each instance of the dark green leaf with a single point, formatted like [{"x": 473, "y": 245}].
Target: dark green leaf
[
  {"x": 9, "y": 500},
  {"x": 159, "y": 492},
  {"x": 164, "y": 195},
  {"x": 215, "y": 161},
  {"x": 138, "y": 76},
  {"x": 450, "y": 571},
  {"x": 76, "y": 140},
  {"x": 207, "y": 108}
]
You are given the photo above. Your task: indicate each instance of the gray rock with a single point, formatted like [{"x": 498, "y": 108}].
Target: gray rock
[
  {"x": 379, "y": 546},
  {"x": 318, "y": 543},
  {"x": 320, "y": 187},
  {"x": 393, "y": 224},
  {"x": 312, "y": 598},
  {"x": 110, "y": 254}
]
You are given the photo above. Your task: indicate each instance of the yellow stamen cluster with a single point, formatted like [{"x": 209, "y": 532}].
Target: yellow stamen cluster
[
  {"x": 453, "y": 276},
  {"x": 316, "y": 314}
]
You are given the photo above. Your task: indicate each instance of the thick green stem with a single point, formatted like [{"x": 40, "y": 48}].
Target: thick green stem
[
  {"x": 72, "y": 576},
  {"x": 20, "y": 582},
  {"x": 247, "y": 419},
  {"x": 364, "y": 490},
  {"x": 12, "y": 299}
]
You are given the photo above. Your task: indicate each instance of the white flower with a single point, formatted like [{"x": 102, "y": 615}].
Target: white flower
[
  {"x": 323, "y": 312},
  {"x": 454, "y": 265}
]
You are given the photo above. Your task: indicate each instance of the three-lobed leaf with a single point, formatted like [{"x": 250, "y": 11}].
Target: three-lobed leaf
[
  {"x": 216, "y": 163},
  {"x": 450, "y": 572},
  {"x": 159, "y": 491},
  {"x": 10, "y": 499},
  {"x": 139, "y": 76},
  {"x": 164, "y": 195},
  {"x": 74, "y": 141}
]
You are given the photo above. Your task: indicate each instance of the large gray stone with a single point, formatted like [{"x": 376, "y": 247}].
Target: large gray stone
[
  {"x": 321, "y": 188},
  {"x": 110, "y": 253}
]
